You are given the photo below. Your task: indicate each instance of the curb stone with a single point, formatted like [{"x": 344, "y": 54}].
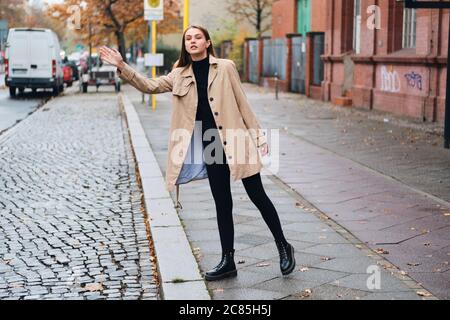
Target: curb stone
[{"x": 178, "y": 271}]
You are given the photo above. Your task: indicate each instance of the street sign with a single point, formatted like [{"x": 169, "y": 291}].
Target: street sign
[
  {"x": 154, "y": 60},
  {"x": 153, "y": 10},
  {"x": 418, "y": 4}
]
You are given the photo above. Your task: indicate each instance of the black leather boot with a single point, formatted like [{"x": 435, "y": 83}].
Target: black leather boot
[
  {"x": 287, "y": 258},
  {"x": 226, "y": 268}
]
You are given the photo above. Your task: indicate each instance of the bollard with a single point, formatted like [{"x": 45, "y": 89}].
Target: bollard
[{"x": 276, "y": 85}]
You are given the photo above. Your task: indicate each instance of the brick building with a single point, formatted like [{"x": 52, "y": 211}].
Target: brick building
[
  {"x": 380, "y": 55},
  {"x": 290, "y": 58}
]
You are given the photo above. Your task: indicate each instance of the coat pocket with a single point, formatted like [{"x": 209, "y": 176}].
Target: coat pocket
[{"x": 181, "y": 87}]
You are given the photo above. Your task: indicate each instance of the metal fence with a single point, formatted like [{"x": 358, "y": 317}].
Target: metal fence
[
  {"x": 275, "y": 58},
  {"x": 298, "y": 64}
]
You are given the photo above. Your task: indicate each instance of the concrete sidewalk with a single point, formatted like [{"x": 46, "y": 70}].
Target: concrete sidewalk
[
  {"x": 331, "y": 262},
  {"x": 383, "y": 178}
]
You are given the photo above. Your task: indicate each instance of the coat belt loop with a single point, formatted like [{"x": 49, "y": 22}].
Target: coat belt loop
[{"x": 178, "y": 204}]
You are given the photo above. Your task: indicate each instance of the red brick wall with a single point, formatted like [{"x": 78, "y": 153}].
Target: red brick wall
[
  {"x": 284, "y": 18},
  {"x": 386, "y": 77},
  {"x": 318, "y": 17}
]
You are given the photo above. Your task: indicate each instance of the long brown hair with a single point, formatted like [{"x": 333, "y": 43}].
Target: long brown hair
[{"x": 185, "y": 57}]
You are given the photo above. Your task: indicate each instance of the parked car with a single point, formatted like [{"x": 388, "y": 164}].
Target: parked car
[
  {"x": 68, "y": 75},
  {"x": 33, "y": 60},
  {"x": 99, "y": 75},
  {"x": 73, "y": 65},
  {"x": 75, "y": 72}
]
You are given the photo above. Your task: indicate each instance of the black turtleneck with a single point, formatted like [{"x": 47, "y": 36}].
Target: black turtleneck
[{"x": 204, "y": 113}]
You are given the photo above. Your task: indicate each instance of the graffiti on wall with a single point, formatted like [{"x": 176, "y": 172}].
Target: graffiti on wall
[
  {"x": 390, "y": 81},
  {"x": 414, "y": 80}
]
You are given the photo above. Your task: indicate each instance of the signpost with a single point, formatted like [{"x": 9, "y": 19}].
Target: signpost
[
  {"x": 153, "y": 11},
  {"x": 418, "y": 4},
  {"x": 186, "y": 15}
]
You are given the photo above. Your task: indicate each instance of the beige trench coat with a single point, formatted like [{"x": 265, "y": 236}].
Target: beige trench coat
[{"x": 230, "y": 108}]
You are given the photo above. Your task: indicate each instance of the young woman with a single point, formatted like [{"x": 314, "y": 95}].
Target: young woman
[{"x": 207, "y": 91}]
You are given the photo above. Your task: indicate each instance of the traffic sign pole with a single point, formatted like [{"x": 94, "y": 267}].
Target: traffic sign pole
[{"x": 154, "y": 52}]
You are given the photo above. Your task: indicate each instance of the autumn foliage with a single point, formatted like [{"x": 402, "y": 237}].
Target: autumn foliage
[{"x": 108, "y": 22}]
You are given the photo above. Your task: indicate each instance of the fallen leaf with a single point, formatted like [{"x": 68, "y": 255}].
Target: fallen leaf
[
  {"x": 325, "y": 258},
  {"x": 218, "y": 290},
  {"x": 304, "y": 269},
  {"x": 403, "y": 273},
  {"x": 94, "y": 287},
  {"x": 424, "y": 294},
  {"x": 358, "y": 246},
  {"x": 322, "y": 237},
  {"x": 413, "y": 264},
  {"x": 381, "y": 251},
  {"x": 241, "y": 261},
  {"x": 427, "y": 244}
]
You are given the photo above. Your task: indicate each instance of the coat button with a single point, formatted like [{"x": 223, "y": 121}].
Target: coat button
[
  {"x": 220, "y": 127},
  {"x": 224, "y": 143},
  {"x": 216, "y": 113},
  {"x": 211, "y": 99}
]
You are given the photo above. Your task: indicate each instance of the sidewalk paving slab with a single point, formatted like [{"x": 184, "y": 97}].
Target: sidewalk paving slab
[{"x": 255, "y": 238}]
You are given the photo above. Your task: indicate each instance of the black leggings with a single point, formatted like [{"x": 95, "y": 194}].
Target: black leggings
[{"x": 219, "y": 181}]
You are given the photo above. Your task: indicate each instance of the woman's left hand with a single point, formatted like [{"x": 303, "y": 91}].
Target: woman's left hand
[{"x": 264, "y": 149}]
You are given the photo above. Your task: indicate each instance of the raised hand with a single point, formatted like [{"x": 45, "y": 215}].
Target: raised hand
[{"x": 111, "y": 56}]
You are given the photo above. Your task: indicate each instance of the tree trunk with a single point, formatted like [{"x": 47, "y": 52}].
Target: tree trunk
[
  {"x": 121, "y": 44},
  {"x": 258, "y": 24}
]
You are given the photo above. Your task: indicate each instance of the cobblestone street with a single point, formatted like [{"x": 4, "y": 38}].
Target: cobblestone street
[{"x": 71, "y": 223}]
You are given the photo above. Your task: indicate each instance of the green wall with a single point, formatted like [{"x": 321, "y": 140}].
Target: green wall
[{"x": 303, "y": 16}]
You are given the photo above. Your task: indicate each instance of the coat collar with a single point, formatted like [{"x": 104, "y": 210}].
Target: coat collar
[{"x": 189, "y": 72}]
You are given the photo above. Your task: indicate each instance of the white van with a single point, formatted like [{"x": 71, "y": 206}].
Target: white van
[{"x": 33, "y": 60}]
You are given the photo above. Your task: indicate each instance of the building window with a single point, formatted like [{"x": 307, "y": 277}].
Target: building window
[
  {"x": 409, "y": 28},
  {"x": 357, "y": 26}
]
